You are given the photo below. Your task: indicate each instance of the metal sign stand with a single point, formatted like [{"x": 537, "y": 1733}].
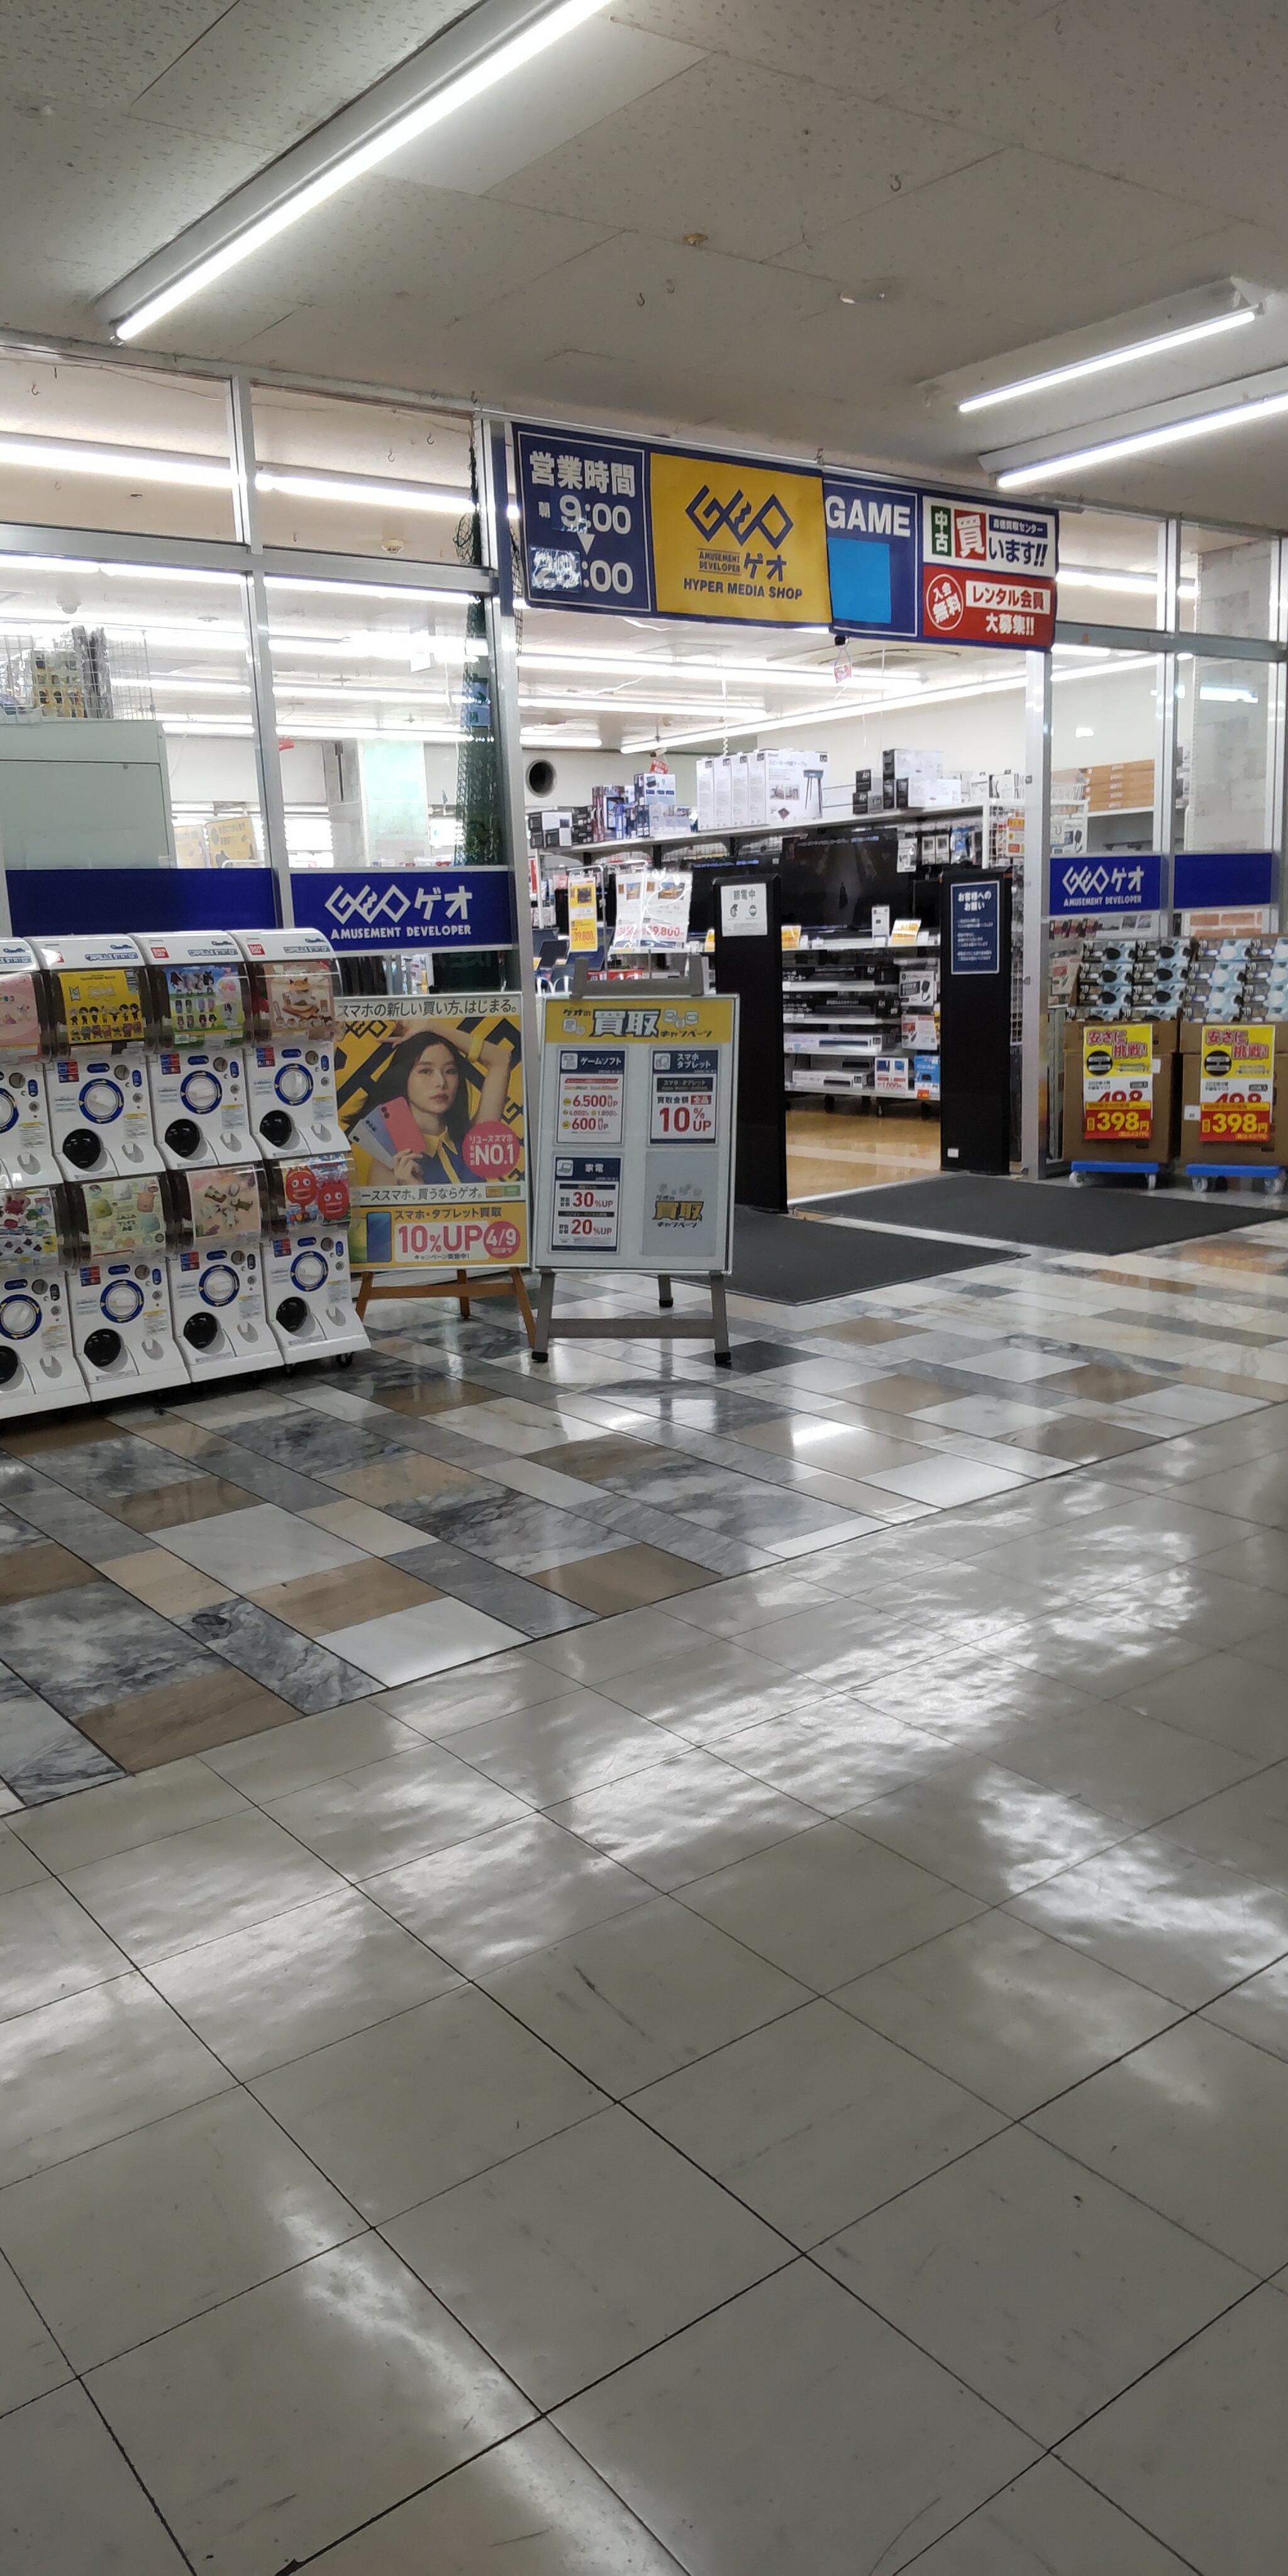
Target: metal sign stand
[{"x": 666, "y": 1325}]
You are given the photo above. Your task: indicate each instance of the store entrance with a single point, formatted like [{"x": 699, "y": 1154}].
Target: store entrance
[{"x": 832, "y": 1148}]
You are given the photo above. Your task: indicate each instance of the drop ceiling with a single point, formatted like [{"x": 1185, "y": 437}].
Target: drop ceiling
[{"x": 979, "y": 176}]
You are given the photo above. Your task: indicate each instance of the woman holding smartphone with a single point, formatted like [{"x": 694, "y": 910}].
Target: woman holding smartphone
[{"x": 421, "y": 1111}]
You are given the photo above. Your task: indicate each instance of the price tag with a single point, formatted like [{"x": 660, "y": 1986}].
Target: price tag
[
  {"x": 683, "y": 1100},
  {"x": 587, "y": 1192},
  {"x": 591, "y": 1084}
]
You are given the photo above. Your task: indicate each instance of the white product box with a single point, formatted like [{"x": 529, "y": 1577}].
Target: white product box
[
  {"x": 795, "y": 781},
  {"x": 740, "y": 800},
  {"x": 757, "y": 786},
  {"x": 939, "y": 792},
  {"x": 724, "y": 793},
  {"x": 706, "y": 769}
]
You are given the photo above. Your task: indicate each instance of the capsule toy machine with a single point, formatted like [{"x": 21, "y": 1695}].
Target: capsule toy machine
[
  {"x": 38, "y": 1369},
  {"x": 100, "y": 1116},
  {"x": 217, "y": 1273},
  {"x": 291, "y": 1061},
  {"x": 308, "y": 1287},
  {"x": 119, "y": 1288},
  {"x": 197, "y": 1064},
  {"x": 26, "y": 1146}
]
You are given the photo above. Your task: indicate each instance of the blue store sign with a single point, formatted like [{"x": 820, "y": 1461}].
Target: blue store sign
[
  {"x": 1222, "y": 879},
  {"x": 584, "y": 508},
  {"x": 873, "y": 554},
  {"x": 975, "y": 928},
  {"x": 1083, "y": 888},
  {"x": 406, "y": 907}
]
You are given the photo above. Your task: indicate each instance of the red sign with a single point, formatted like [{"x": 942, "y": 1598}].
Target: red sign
[{"x": 989, "y": 607}]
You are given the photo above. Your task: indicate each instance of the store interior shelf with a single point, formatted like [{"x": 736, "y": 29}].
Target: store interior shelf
[{"x": 709, "y": 832}]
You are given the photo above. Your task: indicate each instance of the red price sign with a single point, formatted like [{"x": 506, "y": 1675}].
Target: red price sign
[{"x": 1127, "y": 1121}]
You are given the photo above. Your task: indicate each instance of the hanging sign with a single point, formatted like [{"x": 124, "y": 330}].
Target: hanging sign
[
  {"x": 1118, "y": 1081},
  {"x": 1083, "y": 887},
  {"x": 628, "y": 928},
  {"x": 617, "y": 525},
  {"x": 406, "y": 907},
  {"x": 664, "y": 921},
  {"x": 635, "y": 1159},
  {"x": 1237, "y": 1085}
]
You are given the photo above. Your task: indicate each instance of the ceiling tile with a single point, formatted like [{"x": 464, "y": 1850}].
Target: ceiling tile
[
  {"x": 60, "y": 50},
  {"x": 106, "y": 185},
  {"x": 562, "y": 93},
  {"x": 861, "y": 51},
  {"x": 270, "y": 70}
]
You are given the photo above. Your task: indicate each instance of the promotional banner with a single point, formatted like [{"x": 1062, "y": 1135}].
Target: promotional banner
[
  {"x": 664, "y": 919},
  {"x": 1118, "y": 1081},
  {"x": 635, "y": 1160},
  {"x": 430, "y": 1091},
  {"x": 583, "y": 916},
  {"x": 1237, "y": 1085},
  {"x": 630, "y": 908},
  {"x": 99, "y": 1003},
  {"x": 406, "y": 908},
  {"x": 616, "y": 525}
]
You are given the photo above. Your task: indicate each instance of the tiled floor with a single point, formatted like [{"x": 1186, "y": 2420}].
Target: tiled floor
[{"x": 696, "y": 1973}]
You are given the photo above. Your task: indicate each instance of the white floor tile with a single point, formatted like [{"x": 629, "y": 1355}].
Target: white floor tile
[
  {"x": 263, "y": 1545},
  {"x": 428, "y": 1639}
]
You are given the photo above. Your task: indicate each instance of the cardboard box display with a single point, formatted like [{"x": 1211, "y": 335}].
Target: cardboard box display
[
  {"x": 1255, "y": 1152},
  {"x": 1158, "y": 1142}
]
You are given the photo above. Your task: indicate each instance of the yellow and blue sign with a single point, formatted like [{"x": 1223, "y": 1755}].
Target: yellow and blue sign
[
  {"x": 873, "y": 554},
  {"x": 737, "y": 542}
]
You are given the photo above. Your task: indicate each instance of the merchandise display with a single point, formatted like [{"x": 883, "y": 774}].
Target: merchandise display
[
  {"x": 99, "y": 1111},
  {"x": 1144, "y": 1015},
  {"x": 26, "y": 1146},
  {"x": 217, "y": 1272},
  {"x": 38, "y": 1366},
  {"x": 307, "y": 1286},
  {"x": 291, "y": 1063},
  {"x": 197, "y": 1066},
  {"x": 120, "y": 1304}
]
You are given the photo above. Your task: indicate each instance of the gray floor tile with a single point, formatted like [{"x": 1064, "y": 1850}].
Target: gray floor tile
[
  {"x": 300, "y": 1981},
  {"x": 1195, "y": 2450},
  {"x": 742, "y": 2445},
  {"x": 620, "y": 1645},
  {"x": 530, "y": 2505},
  {"x": 127, "y": 1812},
  {"x": 633, "y": 1999},
  {"x": 68, "y": 2501},
  {"x": 251, "y": 1549},
  {"x": 682, "y": 1818},
  {"x": 305, "y": 1673},
  {"x": 428, "y": 1639},
  {"x": 120, "y": 2244},
  {"x": 563, "y": 1746},
  {"x": 835, "y": 1753},
  {"x": 1049, "y": 2521},
  {"x": 986, "y": 1829},
  {"x": 50, "y": 1947},
  {"x": 42, "y": 1755},
  {"x": 827, "y": 1904},
  {"x": 30, "y": 2361},
  {"x": 91, "y": 2068},
  {"x": 19, "y": 1866},
  {"x": 404, "y": 2110},
  {"x": 1005, "y": 2010},
  {"x": 1246, "y": 1825},
  {"x": 1185, "y": 1926},
  {"x": 1227, "y": 1699},
  {"x": 808, "y": 2119},
  {"x": 1257, "y": 2010},
  {"x": 196, "y": 1886},
  {"x": 283, "y": 2419},
  {"x": 1045, "y": 2291},
  {"x": 1122, "y": 1764},
  {"x": 368, "y": 1820},
  {"x": 287, "y": 1758},
  {"x": 572, "y": 2258},
  {"x": 1194, "y": 2125},
  {"x": 521, "y": 1887},
  {"x": 442, "y": 1703}
]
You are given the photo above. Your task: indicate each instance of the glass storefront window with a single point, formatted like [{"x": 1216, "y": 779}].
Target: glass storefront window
[
  {"x": 1223, "y": 735},
  {"x": 1226, "y": 581},
  {"x": 1109, "y": 569},
  {"x": 86, "y": 444},
  {"x": 1104, "y": 740},
  {"x": 126, "y": 718},
  {"x": 363, "y": 478}
]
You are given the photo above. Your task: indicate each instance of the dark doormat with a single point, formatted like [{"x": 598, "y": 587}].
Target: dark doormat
[
  {"x": 1051, "y": 1216},
  {"x": 794, "y": 1262}
]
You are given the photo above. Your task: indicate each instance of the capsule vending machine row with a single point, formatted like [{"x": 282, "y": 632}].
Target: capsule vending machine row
[
  {"x": 119, "y": 1287},
  {"x": 197, "y": 997},
  {"x": 26, "y": 1147},
  {"x": 99, "y": 1114},
  {"x": 306, "y": 1253},
  {"x": 217, "y": 1273},
  {"x": 38, "y": 1370},
  {"x": 291, "y": 1062}
]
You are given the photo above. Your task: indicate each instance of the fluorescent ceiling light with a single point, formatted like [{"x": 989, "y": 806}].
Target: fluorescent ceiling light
[
  {"x": 654, "y": 666},
  {"x": 951, "y": 693},
  {"x": 308, "y": 484},
  {"x": 1144, "y": 442},
  {"x": 113, "y": 571},
  {"x": 407, "y": 594},
  {"x": 130, "y": 464},
  {"x": 366, "y": 155},
  {"x": 1229, "y": 697},
  {"x": 185, "y": 688},
  {"x": 219, "y": 728},
  {"x": 1160, "y": 346}
]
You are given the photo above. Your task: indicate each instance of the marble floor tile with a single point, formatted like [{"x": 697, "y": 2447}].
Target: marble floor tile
[
  {"x": 308, "y": 1673},
  {"x": 1194, "y": 2452},
  {"x": 396, "y": 1810},
  {"x": 401, "y": 2111},
  {"x": 163, "y": 1581},
  {"x": 42, "y": 1755},
  {"x": 176, "y": 1506},
  {"x": 633, "y": 1576},
  {"x": 812, "y": 2126},
  {"x": 282, "y": 2420},
  {"x": 827, "y": 1904},
  {"x": 261, "y": 1545},
  {"x": 124, "y": 1814},
  {"x": 484, "y": 1902},
  {"x": 190, "y": 1887},
  {"x": 300, "y": 1981},
  {"x": 530, "y": 2504},
  {"x": 631, "y": 2000},
  {"x": 514, "y": 1599},
  {"x": 1044, "y": 2289},
  {"x": 376, "y": 1533},
  {"x": 130, "y": 2239},
  {"x": 1006, "y": 2011},
  {"x": 315, "y": 1603},
  {"x": 93, "y": 2067},
  {"x": 744, "y": 2429},
  {"x": 408, "y": 1478},
  {"x": 18, "y": 1866},
  {"x": 70, "y": 2498},
  {"x": 100, "y": 1648},
  {"x": 1049, "y": 2519},
  {"x": 1184, "y": 1926},
  {"x": 407, "y": 1643},
  {"x": 544, "y": 2260},
  {"x": 32, "y": 1573},
  {"x": 183, "y": 1717}
]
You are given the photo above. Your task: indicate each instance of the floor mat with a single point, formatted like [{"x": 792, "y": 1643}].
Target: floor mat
[
  {"x": 1051, "y": 1216},
  {"x": 794, "y": 1263}
]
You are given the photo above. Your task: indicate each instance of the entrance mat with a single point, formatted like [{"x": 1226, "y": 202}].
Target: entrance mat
[
  {"x": 1051, "y": 1216},
  {"x": 794, "y": 1262}
]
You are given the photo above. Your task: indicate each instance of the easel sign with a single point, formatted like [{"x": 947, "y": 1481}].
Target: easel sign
[
  {"x": 635, "y": 1147},
  {"x": 430, "y": 1090}
]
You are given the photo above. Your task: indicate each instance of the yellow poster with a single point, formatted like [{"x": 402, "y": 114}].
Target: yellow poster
[
  {"x": 100, "y": 1002},
  {"x": 1237, "y": 1084},
  {"x": 583, "y": 916},
  {"x": 733, "y": 540},
  {"x": 706, "y": 1021},
  {"x": 1118, "y": 1081},
  {"x": 430, "y": 1091}
]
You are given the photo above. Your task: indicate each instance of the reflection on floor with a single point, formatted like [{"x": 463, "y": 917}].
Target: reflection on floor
[
  {"x": 851, "y": 1149},
  {"x": 710, "y": 1897}
]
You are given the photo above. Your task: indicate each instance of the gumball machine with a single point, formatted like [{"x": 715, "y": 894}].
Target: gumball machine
[
  {"x": 38, "y": 1370},
  {"x": 26, "y": 1146},
  {"x": 99, "y": 1113},
  {"x": 120, "y": 1301},
  {"x": 197, "y": 1066},
  {"x": 291, "y": 1063},
  {"x": 308, "y": 1288},
  {"x": 217, "y": 1273}
]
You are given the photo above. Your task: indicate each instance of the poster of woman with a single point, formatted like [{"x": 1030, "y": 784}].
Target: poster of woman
[{"x": 431, "y": 1102}]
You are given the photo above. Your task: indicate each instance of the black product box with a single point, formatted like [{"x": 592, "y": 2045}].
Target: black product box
[
  {"x": 863, "y": 782},
  {"x": 887, "y": 764}
]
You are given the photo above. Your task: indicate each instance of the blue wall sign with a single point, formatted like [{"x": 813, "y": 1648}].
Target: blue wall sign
[
  {"x": 406, "y": 907},
  {"x": 1210, "y": 878},
  {"x": 975, "y": 928},
  {"x": 584, "y": 508},
  {"x": 873, "y": 553},
  {"x": 1083, "y": 887},
  {"x": 49, "y": 903}
]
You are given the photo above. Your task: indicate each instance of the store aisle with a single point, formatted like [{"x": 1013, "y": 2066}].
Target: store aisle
[{"x": 782, "y": 2078}]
